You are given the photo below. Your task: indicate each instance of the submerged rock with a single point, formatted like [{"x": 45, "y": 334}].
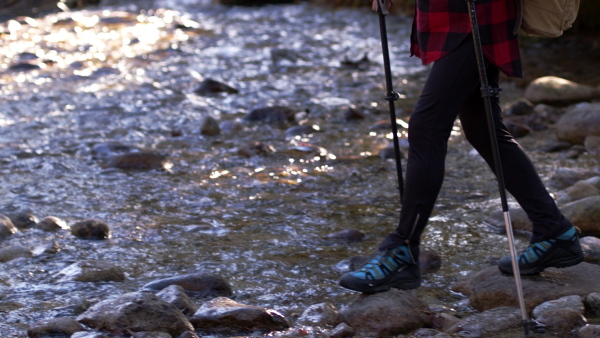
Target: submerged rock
[
  {"x": 223, "y": 315},
  {"x": 91, "y": 229},
  {"x": 137, "y": 161},
  {"x": 277, "y": 115},
  {"x": 92, "y": 271},
  {"x": 23, "y": 220},
  {"x": 210, "y": 87},
  {"x": 14, "y": 251},
  {"x": 209, "y": 126},
  {"x": 385, "y": 314},
  {"x": 136, "y": 312},
  {"x": 322, "y": 314}
]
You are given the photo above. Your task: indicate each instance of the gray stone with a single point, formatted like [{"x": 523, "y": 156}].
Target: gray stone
[
  {"x": 136, "y": 312},
  {"x": 202, "y": 284},
  {"x": 51, "y": 223},
  {"x": 592, "y": 304},
  {"x": 209, "y": 126},
  {"x": 225, "y": 316},
  {"x": 55, "y": 326},
  {"x": 385, "y": 314},
  {"x": 322, "y": 314},
  {"x": 574, "y": 303},
  {"x": 91, "y": 271},
  {"x": 14, "y": 251},
  {"x": 579, "y": 122},
  {"x": 7, "y": 228},
  {"x": 176, "y": 295},
  {"x": 561, "y": 320},
  {"x": 489, "y": 323},
  {"x": 589, "y": 331},
  {"x": 490, "y": 288},
  {"x": 591, "y": 249},
  {"x": 592, "y": 145},
  {"x": 551, "y": 89}
]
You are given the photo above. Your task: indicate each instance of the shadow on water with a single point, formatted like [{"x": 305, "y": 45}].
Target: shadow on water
[{"x": 127, "y": 73}]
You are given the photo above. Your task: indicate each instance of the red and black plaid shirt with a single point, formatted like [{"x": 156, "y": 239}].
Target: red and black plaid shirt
[{"x": 440, "y": 26}]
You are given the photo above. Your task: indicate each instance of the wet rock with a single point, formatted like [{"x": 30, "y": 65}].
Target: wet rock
[
  {"x": 136, "y": 312},
  {"x": 519, "y": 108},
  {"x": 591, "y": 249},
  {"x": 91, "y": 271},
  {"x": 231, "y": 126},
  {"x": 7, "y": 227},
  {"x": 429, "y": 333},
  {"x": 83, "y": 334},
  {"x": 361, "y": 64},
  {"x": 490, "y": 288},
  {"x": 210, "y": 87},
  {"x": 255, "y": 149},
  {"x": 51, "y": 223},
  {"x": 277, "y": 115},
  {"x": 347, "y": 235},
  {"x": 561, "y": 320},
  {"x": 279, "y": 56},
  {"x": 343, "y": 330},
  {"x": 583, "y": 213},
  {"x": 188, "y": 334},
  {"x": 551, "y": 89},
  {"x": 110, "y": 149},
  {"x": 302, "y": 130},
  {"x": 176, "y": 295},
  {"x": 23, "y": 67},
  {"x": 23, "y": 220},
  {"x": 574, "y": 303},
  {"x": 592, "y": 304},
  {"x": 138, "y": 161},
  {"x": 592, "y": 145},
  {"x": 555, "y": 146},
  {"x": 443, "y": 321},
  {"x": 13, "y": 252},
  {"x": 386, "y": 313},
  {"x": 225, "y": 316},
  {"x": 516, "y": 127},
  {"x": 574, "y": 152},
  {"x": 589, "y": 331},
  {"x": 579, "y": 122},
  {"x": 351, "y": 113},
  {"x": 209, "y": 126},
  {"x": 151, "y": 334},
  {"x": 429, "y": 261},
  {"x": 489, "y": 323},
  {"x": 204, "y": 284},
  {"x": 54, "y": 327},
  {"x": 91, "y": 229},
  {"x": 322, "y": 314}
]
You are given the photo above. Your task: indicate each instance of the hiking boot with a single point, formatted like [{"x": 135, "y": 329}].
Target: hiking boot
[
  {"x": 558, "y": 252},
  {"x": 393, "y": 268}
]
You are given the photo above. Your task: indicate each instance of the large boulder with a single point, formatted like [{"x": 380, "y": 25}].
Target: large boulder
[
  {"x": 491, "y": 288},
  {"x": 552, "y": 89},
  {"x": 136, "y": 312},
  {"x": 386, "y": 314},
  {"x": 579, "y": 122}
]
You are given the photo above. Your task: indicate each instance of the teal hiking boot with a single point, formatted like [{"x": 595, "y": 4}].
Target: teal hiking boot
[
  {"x": 393, "y": 268},
  {"x": 559, "y": 252}
]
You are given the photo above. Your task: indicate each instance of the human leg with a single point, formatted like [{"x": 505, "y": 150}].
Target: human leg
[
  {"x": 451, "y": 80},
  {"x": 554, "y": 242}
]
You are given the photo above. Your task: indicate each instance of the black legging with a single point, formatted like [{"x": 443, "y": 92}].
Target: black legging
[{"x": 453, "y": 88}]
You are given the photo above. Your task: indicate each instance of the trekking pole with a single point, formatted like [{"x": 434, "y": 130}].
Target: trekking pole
[
  {"x": 391, "y": 95},
  {"x": 487, "y": 92}
]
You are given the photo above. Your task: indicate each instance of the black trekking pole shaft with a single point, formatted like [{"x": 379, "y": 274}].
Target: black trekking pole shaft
[
  {"x": 391, "y": 95},
  {"x": 487, "y": 92}
]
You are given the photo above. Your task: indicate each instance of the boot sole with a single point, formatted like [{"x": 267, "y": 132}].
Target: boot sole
[{"x": 363, "y": 286}]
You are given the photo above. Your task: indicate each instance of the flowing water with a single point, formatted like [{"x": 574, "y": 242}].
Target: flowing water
[{"x": 127, "y": 73}]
